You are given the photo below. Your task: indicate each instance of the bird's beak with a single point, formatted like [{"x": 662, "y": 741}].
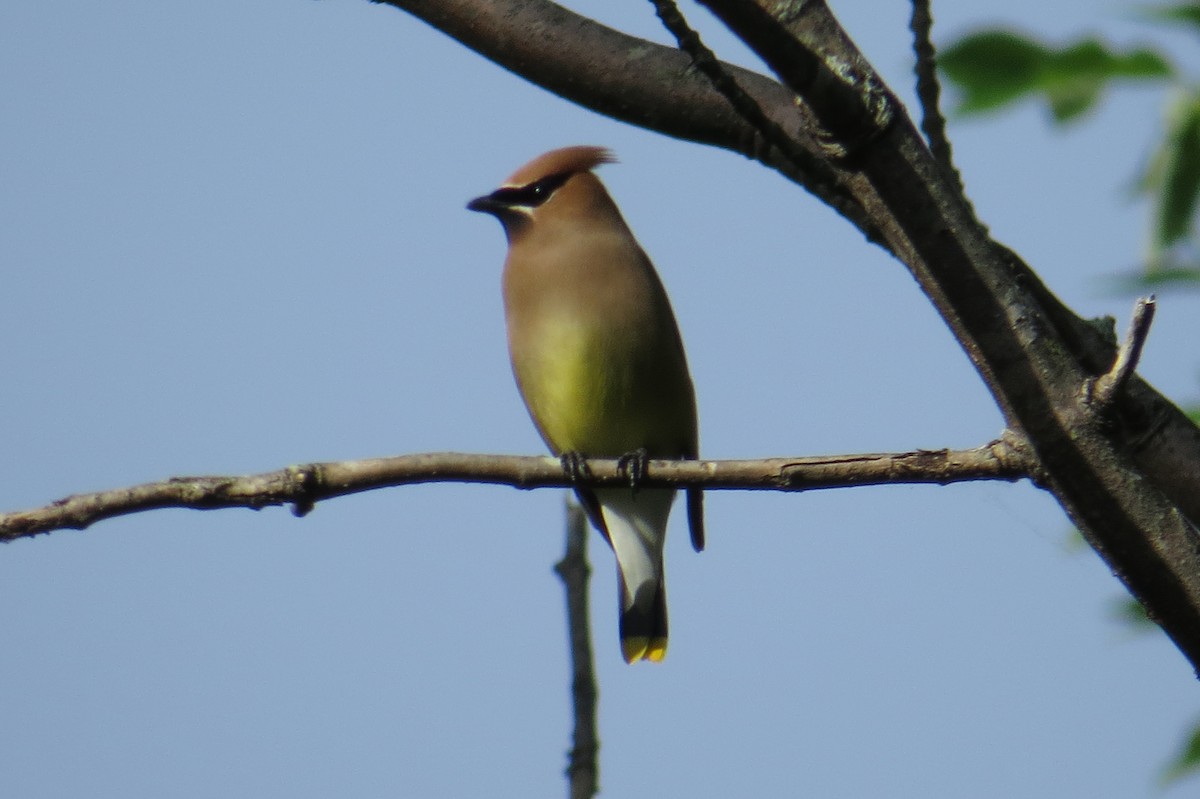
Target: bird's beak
[{"x": 485, "y": 205}]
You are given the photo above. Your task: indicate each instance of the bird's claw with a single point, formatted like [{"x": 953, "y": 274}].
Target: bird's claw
[
  {"x": 575, "y": 465},
  {"x": 633, "y": 466}
]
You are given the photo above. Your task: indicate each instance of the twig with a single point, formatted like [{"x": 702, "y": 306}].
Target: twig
[
  {"x": 707, "y": 63},
  {"x": 582, "y": 766},
  {"x": 1109, "y": 386},
  {"x": 302, "y": 486},
  {"x": 929, "y": 90},
  {"x": 933, "y": 123}
]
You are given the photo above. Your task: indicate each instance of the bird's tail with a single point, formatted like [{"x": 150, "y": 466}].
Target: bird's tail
[
  {"x": 644, "y": 623},
  {"x": 636, "y": 527}
]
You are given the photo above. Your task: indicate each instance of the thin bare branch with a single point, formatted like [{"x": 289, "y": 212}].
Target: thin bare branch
[
  {"x": 724, "y": 82},
  {"x": 583, "y": 770},
  {"x": 929, "y": 89},
  {"x": 1110, "y": 385},
  {"x": 303, "y": 486}
]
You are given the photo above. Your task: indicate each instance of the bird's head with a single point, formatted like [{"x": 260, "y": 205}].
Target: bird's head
[{"x": 555, "y": 183}]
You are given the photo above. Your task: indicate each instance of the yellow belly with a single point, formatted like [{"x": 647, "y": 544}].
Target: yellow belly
[{"x": 593, "y": 394}]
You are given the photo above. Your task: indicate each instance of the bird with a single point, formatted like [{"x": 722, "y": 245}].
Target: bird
[{"x": 600, "y": 365}]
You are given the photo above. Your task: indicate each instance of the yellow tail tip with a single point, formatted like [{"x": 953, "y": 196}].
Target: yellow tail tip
[{"x": 642, "y": 648}]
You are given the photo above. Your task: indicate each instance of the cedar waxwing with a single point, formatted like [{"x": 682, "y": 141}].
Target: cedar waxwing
[{"x": 599, "y": 362}]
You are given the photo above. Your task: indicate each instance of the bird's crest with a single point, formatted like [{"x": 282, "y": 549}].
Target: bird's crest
[{"x": 566, "y": 160}]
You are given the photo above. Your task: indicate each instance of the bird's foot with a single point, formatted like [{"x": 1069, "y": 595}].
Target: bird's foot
[
  {"x": 575, "y": 465},
  {"x": 633, "y": 466}
]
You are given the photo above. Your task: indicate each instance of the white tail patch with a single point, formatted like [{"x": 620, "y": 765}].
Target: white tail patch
[{"x": 637, "y": 528}]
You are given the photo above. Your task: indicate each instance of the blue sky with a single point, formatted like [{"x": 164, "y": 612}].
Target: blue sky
[{"x": 235, "y": 239}]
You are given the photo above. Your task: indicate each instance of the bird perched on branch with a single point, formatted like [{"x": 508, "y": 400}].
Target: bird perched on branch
[{"x": 599, "y": 362}]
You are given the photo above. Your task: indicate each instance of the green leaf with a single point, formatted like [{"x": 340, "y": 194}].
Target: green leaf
[
  {"x": 1183, "y": 14},
  {"x": 1074, "y": 77},
  {"x": 1157, "y": 277},
  {"x": 1179, "y": 179},
  {"x": 1193, "y": 413},
  {"x": 1187, "y": 762},
  {"x": 1089, "y": 57},
  {"x": 992, "y": 68},
  {"x": 1161, "y": 278}
]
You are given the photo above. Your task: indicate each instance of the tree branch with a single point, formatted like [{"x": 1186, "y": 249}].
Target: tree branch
[
  {"x": 583, "y": 771},
  {"x": 302, "y": 486},
  {"x": 1109, "y": 386},
  {"x": 725, "y": 83},
  {"x": 933, "y": 123}
]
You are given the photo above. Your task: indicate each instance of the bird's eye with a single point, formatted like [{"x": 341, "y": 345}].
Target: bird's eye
[
  {"x": 547, "y": 186},
  {"x": 533, "y": 194}
]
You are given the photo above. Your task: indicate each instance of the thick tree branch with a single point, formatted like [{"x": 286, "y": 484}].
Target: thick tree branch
[
  {"x": 1021, "y": 347},
  {"x": 302, "y": 486}
]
